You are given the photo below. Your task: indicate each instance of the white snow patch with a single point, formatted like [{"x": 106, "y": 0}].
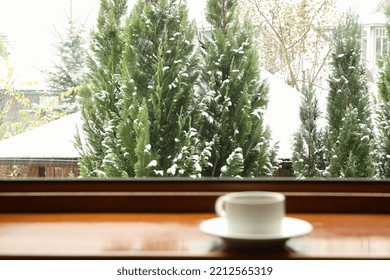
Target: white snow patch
[
  {"x": 153, "y": 163},
  {"x": 198, "y": 168},
  {"x": 159, "y": 172},
  {"x": 258, "y": 112},
  {"x": 172, "y": 169},
  {"x": 52, "y": 140},
  {"x": 282, "y": 113}
]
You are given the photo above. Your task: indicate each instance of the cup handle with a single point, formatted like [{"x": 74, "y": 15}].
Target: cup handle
[{"x": 220, "y": 206}]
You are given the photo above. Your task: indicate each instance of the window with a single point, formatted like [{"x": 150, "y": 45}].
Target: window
[
  {"x": 381, "y": 42},
  {"x": 58, "y": 165},
  {"x": 169, "y": 195}
]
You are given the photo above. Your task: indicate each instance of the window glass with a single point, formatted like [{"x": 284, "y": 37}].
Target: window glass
[
  {"x": 256, "y": 88},
  {"x": 381, "y": 41},
  {"x": 364, "y": 44}
]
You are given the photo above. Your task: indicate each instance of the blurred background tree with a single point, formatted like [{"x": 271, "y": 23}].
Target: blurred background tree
[
  {"x": 69, "y": 70},
  {"x": 293, "y": 37}
]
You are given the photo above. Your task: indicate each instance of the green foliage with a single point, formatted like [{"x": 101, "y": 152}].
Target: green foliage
[
  {"x": 144, "y": 113},
  {"x": 234, "y": 164},
  {"x": 349, "y": 139},
  {"x": 98, "y": 144},
  {"x": 383, "y": 153},
  {"x": 383, "y": 113},
  {"x": 233, "y": 97},
  {"x": 140, "y": 101},
  {"x": 145, "y": 159},
  {"x": 353, "y": 142},
  {"x": 188, "y": 161},
  {"x": 308, "y": 147},
  {"x": 160, "y": 67}
]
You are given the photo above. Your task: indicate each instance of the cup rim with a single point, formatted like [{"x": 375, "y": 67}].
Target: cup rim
[{"x": 277, "y": 197}]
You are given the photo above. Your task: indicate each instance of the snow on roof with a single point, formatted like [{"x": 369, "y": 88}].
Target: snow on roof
[
  {"x": 53, "y": 140},
  {"x": 282, "y": 114},
  {"x": 380, "y": 6}
]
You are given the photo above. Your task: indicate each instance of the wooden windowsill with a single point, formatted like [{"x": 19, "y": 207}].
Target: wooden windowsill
[
  {"x": 80, "y": 219},
  {"x": 177, "y": 236}
]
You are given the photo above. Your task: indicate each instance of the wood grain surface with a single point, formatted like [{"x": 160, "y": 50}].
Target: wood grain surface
[{"x": 177, "y": 236}]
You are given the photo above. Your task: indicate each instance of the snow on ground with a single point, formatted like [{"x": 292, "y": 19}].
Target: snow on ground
[{"x": 282, "y": 114}]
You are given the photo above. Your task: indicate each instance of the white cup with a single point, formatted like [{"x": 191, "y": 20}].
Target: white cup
[{"x": 252, "y": 212}]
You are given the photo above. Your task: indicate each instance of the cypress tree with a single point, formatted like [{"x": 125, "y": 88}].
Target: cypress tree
[
  {"x": 97, "y": 142},
  {"x": 159, "y": 70},
  {"x": 383, "y": 112},
  {"x": 349, "y": 137},
  {"x": 308, "y": 147},
  {"x": 233, "y": 98}
]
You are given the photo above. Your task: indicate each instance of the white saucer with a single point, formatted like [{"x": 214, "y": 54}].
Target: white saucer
[{"x": 291, "y": 227}]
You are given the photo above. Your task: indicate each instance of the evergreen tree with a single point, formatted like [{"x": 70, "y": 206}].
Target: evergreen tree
[
  {"x": 383, "y": 112},
  {"x": 97, "y": 143},
  {"x": 160, "y": 68},
  {"x": 384, "y": 139},
  {"x": 68, "y": 72},
  {"x": 308, "y": 147},
  {"x": 233, "y": 98},
  {"x": 349, "y": 137}
]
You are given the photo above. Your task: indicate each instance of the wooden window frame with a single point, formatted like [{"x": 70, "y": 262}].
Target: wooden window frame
[{"x": 188, "y": 195}]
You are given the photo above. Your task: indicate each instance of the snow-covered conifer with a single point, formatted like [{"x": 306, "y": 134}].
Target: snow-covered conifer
[
  {"x": 349, "y": 136},
  {"x": 383, "y": 112},
  {"x": 146, "y": 161},
  {"x": 233, "y": 97},
  {"x": 100, "y": 153},
  {"x": 160, "y": 66},
  {"x": 308, "y": 147}
]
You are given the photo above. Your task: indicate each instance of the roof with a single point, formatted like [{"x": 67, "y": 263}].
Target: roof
[
  {"x": 52, "y": 141},
  {"x": 380, "y": 7},
  {"x": 372, "y": 12}
]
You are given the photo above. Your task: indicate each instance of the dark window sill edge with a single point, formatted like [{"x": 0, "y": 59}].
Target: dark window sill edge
[{"x": 185, "y": 195}]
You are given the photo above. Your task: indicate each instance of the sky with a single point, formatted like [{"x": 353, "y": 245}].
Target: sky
[{"x": 31, "y": 28}]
